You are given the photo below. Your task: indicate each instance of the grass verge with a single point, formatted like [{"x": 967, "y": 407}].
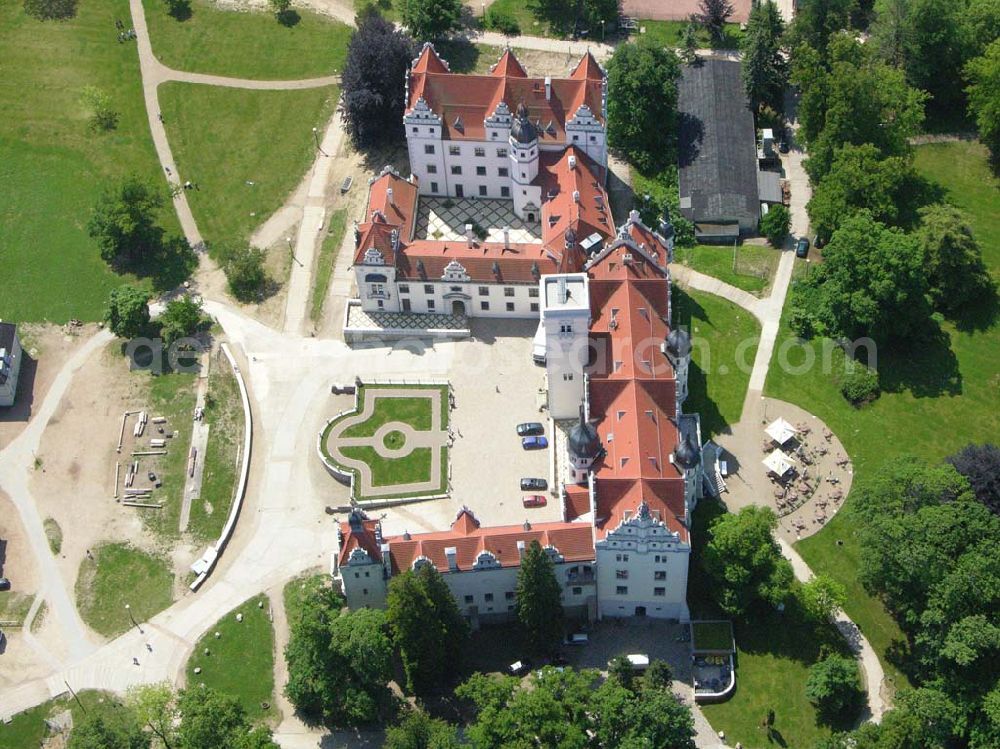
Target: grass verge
[
  {"x": 14, "y": 605},
  {"x": 246, "y": 150},
  {"x": 53, "y": 534},
  {"x": 224, "y": 413},
  {"x": 118, "y": 575},
  {"x": 934, "y": 400},
  {"x": 724, "y": 342},
  {"x": 52, "y": 166},
  {"x": 394, "y": 471},
  {"x": 749, "y": 267},
  {"x": 27, "y": 730},
  {"x": 247, "y": 44},
  {"x": 413, "y": 410},
  {"x": 240, "y": 661},
  {"x": 326, "y": 261},
  {"x": 668, "y": 34}
]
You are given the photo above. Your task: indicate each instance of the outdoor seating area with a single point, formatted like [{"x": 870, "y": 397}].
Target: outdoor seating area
[{"x": 712, "y": 667}]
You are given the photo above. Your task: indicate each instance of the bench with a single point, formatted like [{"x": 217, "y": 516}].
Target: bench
[{"x": 346, "y": 184}]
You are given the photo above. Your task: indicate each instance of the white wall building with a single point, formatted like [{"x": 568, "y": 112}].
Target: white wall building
[{"x": 10, "y": 363}]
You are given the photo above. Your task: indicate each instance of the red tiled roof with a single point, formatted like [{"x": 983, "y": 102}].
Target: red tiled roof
[
  {"x": 573, "y": 540},
  {"x": 363, "y": 538},
  {"x": 473, "y": 98}
]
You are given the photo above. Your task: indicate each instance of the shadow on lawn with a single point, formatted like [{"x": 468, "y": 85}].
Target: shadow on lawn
[{"x": 925, "y": 367}]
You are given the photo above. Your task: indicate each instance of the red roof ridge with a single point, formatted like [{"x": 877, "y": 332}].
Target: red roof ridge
[
  {"x": 508, "y": 65},
  {"x": 588, "y": 68},
  {"x": 429, "y": 61}
]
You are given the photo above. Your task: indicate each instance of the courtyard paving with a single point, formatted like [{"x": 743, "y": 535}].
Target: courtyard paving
[{"x": 445, "y": 219}]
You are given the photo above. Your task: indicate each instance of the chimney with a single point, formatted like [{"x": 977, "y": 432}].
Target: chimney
[
  {"x": 576, "y": 196},
  {"x": 520, "y": 549},
  {"x": 451, "y": 553},
  {"x": 506, "y": 238},
  {"x": 388, "y": 196},
  {"x": 572, "y": 162},
  {"x": 468, "y": 235},
  {"x": 548, "y": 87}
]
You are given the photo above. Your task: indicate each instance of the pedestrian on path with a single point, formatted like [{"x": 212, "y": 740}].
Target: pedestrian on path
[
  {"x": 135, "y": 660},
  {"x": 159, "y": 116}
]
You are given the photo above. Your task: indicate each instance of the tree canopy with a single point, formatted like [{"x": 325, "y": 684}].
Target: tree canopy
[
  {"x": 339, "y": 664},
  {"x": 244, "y": 269},
  {"x": 871, "y": 283},
  {"x": 714, "y": 14},
  {"x": 180, "y": 319},
  {"x": 430, "y": 19},
  {"x": 417, "y": 730},
  {"x": 127, "y": 313},
  {"x": 426, "y": 626},
  {"x": 96, "y": 731},
  {"x": 834, "y": 686},
  {"x": 372, "y": 105},
  {"x": 745, "y": 562},
  {"x": 764, "y": 65},
  {"x": 539, "y": 599},
  {"x": 817, "y": 20},
  {"x": 983, "y": 74},
  {"x": 980, "y": 465},
  {"x": 956, "y": 273},
  {"x": 642, "y": 104},
  {"x": 123, "y": 222}
]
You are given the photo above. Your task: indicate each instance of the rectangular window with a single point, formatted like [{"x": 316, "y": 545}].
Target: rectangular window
[
  {"x": 593, "y": 138},
  {"x": 428, "y": 288},
  {"x": 577, "y": 591},
  {"x": 480, "y": 152},
  {"x": 659, "y": 592},
  {"x": 406, "y": 305},
  {"x": 576, "y": 138},
  {"x": 567, "y": 377},
  {"x": 434, "y": 186},
  {"x": 660, "y": 575},
  {"x": 488, "y": 597},
  {"x": 482, "y": 191},
  {"x": 621, "y": 574},
  {"x": 484, "y": 306},
  {"x": 566, "y": 327},
  {"x": 428, "y": 148},
  {"x": 503, "y": 171},
  {"x": 510, "y": 306},
  {"x": 416, "y": 129},
  {"x": 456, "y": 169},
  {"x": 509, "y": 595},
  {"x": 480, "y": 171},
  {"x": 508, "y": 291},
  {"x": 484, "y": 291},
  {"x": 432, "y": 169},
  {"x": 505, "y": 192},
  {"x": 468, "y": 599},
  {"x": 431, "y": 306},
  {"x": 454, "y": 150},
  {"x": 533, "y": 292},
  {"x": 404, "y": 288},
  {"x": 534, "y": 306},
  {"x": 502, "y": 153},
  {"x": 622, "y": 590}
]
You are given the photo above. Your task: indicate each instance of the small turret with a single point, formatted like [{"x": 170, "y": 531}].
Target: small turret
[{"x": 687, "y": 455}]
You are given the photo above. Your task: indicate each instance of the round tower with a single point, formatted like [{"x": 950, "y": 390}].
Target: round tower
[
  {"x": 687, "y": 458},
  {"x": 678, "y": 351},
  {"x": 524, "y": 166},
  {"x": 584, "y": 447}
]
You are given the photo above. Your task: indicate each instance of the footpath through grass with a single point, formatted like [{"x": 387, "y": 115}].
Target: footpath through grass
[
  {"x": 935, "y": 398},
  {"x": 27, "y": 730},
  {"x": 326, "y": 261},
  {"x": 121, "y": 574},
  {"x": 240, "y": 661},
  {"x": 724, "y": 342},
  {"x": 224, "y": 414},
  {"x": 247, "y": 44},
  {"x": 245, "y": 150},
  {"x": 52, "y": 167}
]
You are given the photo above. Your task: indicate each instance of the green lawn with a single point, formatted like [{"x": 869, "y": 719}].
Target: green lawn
[
  {"x": 936, "y": 398},
  {"x": 27, "y": 730},
  {"x": 240, "y": 662},
  {"x": 668, "y": 34},
  {"x": 14, "y": 605},
  {"x": 325, "y": 262},
  {"x": 52, "y": 166},
  {"x": 392, "y": 471},
  {"x": 529, "y": 24},
  {"x": 121, "y": 574},
  {"x": 224, "y": 138},
  {"x": 247, "y": 44},
  {"x": 224, "y": 413},
  {"x": 53, "y": 534},
  {"x": 415, "y": 411},
  {"x": 297, "y": 588},
  {"x": 749, "y": 267},
  {"x": 716, "y": 635},
  {"x": 724, "y": 339}
]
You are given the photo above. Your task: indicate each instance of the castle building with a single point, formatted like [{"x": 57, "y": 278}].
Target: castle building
[
  {"x": 506, "y": 186},
  {"x": 632, "y": 464},
  {"x": 10, "y": 363}
]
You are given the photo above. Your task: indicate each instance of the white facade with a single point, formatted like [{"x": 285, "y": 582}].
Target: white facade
[
  {"x": 565, "y": 320},
  {"x": 10, "y": 367}
]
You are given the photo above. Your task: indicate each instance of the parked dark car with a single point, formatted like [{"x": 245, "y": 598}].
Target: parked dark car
[
  {"x": 530, "y": 428},
  {"x": 533, "y": 500},
  {"x": 534, "y": 485},
  {"x": 783, "y": 145},
  {"x": 4, "y": 583},
  {"x": 802, "y": 248},
  {"x": 534, "y": 443}
]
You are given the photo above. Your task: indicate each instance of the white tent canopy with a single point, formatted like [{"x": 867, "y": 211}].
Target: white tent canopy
[
  {"x": 778, "y": 463},
  {"x": 781, "y": 431}
]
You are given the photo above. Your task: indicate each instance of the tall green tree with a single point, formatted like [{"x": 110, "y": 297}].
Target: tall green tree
[
  {"x": 817, "y": 20},
  {"x": 123, "y": 222},
  {"x": 127, "y": 312},
  {"x": 983, "y": 74},
  {"x": 244, "y": 268},
  {"x": 956, "y": 273},
  {"x": 937, "y": 46},
  {"x": 642, "y": 104},
  {"x": 426, "y": 626},
  {"x": 339, "y": 664},
  {"x": 980, "y": 465},
  {"x": 871, "y": 283},
  {"x": 560, "y": 14},
  {"x": 180, "y": 319},
  {"x": 155, "y": 707},
  {"x": 764, "y": 65},
  {"x": 209, "y": 719},
  {"x": 119, "y": 731},
  {"x": 539, "y": 599},
  {"x": 860, "y": 179},
  {"x": 714, "y": 14},
  {"x": 890, "y": 31},
  {"x": 834, "y": 686},
  {"x": 417, "y": 730},
  {"x": 821, "y": 597},
  {"x": 745, "y": 562},
  {"x": 431, "y": 19}
]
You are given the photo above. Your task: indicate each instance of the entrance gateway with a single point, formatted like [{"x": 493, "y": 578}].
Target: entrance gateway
[{"x": 458, "y": 308}]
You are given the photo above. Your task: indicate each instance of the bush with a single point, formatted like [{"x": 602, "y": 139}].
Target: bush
[
  {"x": 860, "y": 385},
  {"x": 244, "y": 269},
  {"x": 833, "y": 686},
  {"x": 48, "y": 10},
  {"x": 497, "y": 19},
  {"x": 775, "y": 225}
]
